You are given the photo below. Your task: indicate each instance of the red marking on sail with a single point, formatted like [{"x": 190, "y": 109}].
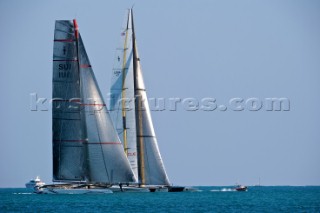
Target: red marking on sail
[
  {"x": 85, "y": 65},
  {"x": 71, "y": 141},
  {"x": 76, "y": 31},
  {"x": 65, "y": 60},
  {"x": 64, "y": 40},
  {"x": 106, "y": 143}
]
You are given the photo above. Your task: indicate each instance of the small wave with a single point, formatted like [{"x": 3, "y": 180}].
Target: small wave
[
  {"x": 196, "y": 190},
  {"x": 228, "y": 190},
  {"x": 223, "y": 190},
  {"x": 190, "y": 189},
  {"x": 23, "y": 193}
]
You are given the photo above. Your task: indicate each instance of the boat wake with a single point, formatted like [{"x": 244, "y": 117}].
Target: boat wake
[
  {"x": 223, "y": 190},
  {"x": 23, "y": 193}
]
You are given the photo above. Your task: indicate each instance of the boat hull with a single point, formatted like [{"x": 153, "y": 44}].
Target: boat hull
[
  {"x": 241, "y": 188},
  {"x": 72, "y": 189},
  {"x": 139, "y": 189},
  {"x": 75, "y": 191},
  {"x": 102, "y": 189},
  {"x": 176, "y": 188},
  {"x": 32, "y": 185},
  {"x": 128, "y": 189},
  {"x": 94, "y": 189}
]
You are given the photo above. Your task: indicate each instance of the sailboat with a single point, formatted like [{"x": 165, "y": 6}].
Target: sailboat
[
  {"x": 130, "y": 112},
  {"x": 88, "y": 156}
]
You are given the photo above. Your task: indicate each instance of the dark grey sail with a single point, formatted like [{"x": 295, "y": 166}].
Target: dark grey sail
[
  {"x": 68, "y": 137},
  {"x": 86, "y": 146}
]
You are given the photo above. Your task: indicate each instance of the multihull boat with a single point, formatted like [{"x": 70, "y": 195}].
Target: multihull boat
[
  {"x": 86, "y": 147},
  {"x": 95, "y": 151}
]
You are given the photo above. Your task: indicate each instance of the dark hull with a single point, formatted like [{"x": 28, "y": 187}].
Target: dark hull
[
  {"x": 176, "y": 188},
  {"x": 242, "y": 189}
]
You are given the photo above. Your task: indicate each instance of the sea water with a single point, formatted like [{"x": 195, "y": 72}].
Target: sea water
[{"x": 205, "y": 199}]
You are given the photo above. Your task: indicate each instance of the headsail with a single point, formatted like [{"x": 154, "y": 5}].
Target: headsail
[
  {"x": 107, "y": 162},
  {"x": 86, "y": 145},
  {"x": 128, "y": 83},
  {"x": 122, "y": 108}
]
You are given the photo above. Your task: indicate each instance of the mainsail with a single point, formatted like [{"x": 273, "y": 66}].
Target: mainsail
[
  {"x": 131, "y": 114},
  {"x": 86, "y": 146},
  {"x": 67, "y": 132}
]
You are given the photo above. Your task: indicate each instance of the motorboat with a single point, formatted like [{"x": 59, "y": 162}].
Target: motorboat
[
  {"x": 34, "y": 182},
  {"x": 241, "y": 188}
]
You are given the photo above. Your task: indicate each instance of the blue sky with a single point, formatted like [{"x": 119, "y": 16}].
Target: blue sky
[{"x": 197, "y": 49}]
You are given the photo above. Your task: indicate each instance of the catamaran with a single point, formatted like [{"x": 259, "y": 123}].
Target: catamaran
[
  {"x": 88, "y": 156},
  {"x": 94, "y": 152},
  {"x": 130, "y": 112}
]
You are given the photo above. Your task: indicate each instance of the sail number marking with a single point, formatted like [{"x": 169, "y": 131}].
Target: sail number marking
[
  {"x": 64, "y": 70},
  {"x": 132, "y": 153}
]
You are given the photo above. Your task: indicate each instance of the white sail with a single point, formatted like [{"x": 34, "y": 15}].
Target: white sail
[
  {"x": 128, "y": 83},
  {"x": 152, "y": 170},
  {"x": 85, "y": 143},
  {"x": 122, "y": 106},
  {"x": 67, "y": 134}
]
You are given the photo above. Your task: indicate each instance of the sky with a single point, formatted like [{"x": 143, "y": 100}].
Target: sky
[{"x": 222, "y": 50}]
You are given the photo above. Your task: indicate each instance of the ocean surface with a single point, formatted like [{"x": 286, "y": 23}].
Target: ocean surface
[{"x": 206, "y": 199}]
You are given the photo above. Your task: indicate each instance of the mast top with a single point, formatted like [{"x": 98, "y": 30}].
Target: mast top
[{"x": 76, "y": 29}]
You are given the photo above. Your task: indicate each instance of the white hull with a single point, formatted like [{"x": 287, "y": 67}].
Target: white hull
[
  {"x": 73, "y": 191},
  {"x": 32, "y": 185},
  {"x": 34, "y": 182},
  {"x": 128, "y": 189},
  {"x": 139, "y": 189},
  {"x": 76, "y": 189}
]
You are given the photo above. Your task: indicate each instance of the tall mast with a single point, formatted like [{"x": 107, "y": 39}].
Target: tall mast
[
  {"x": 83, "y": 117},
  {"x": 76, "y": 35},
  {"x": 125, "y": 144},
  {"x": 138, "y": 101}
]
